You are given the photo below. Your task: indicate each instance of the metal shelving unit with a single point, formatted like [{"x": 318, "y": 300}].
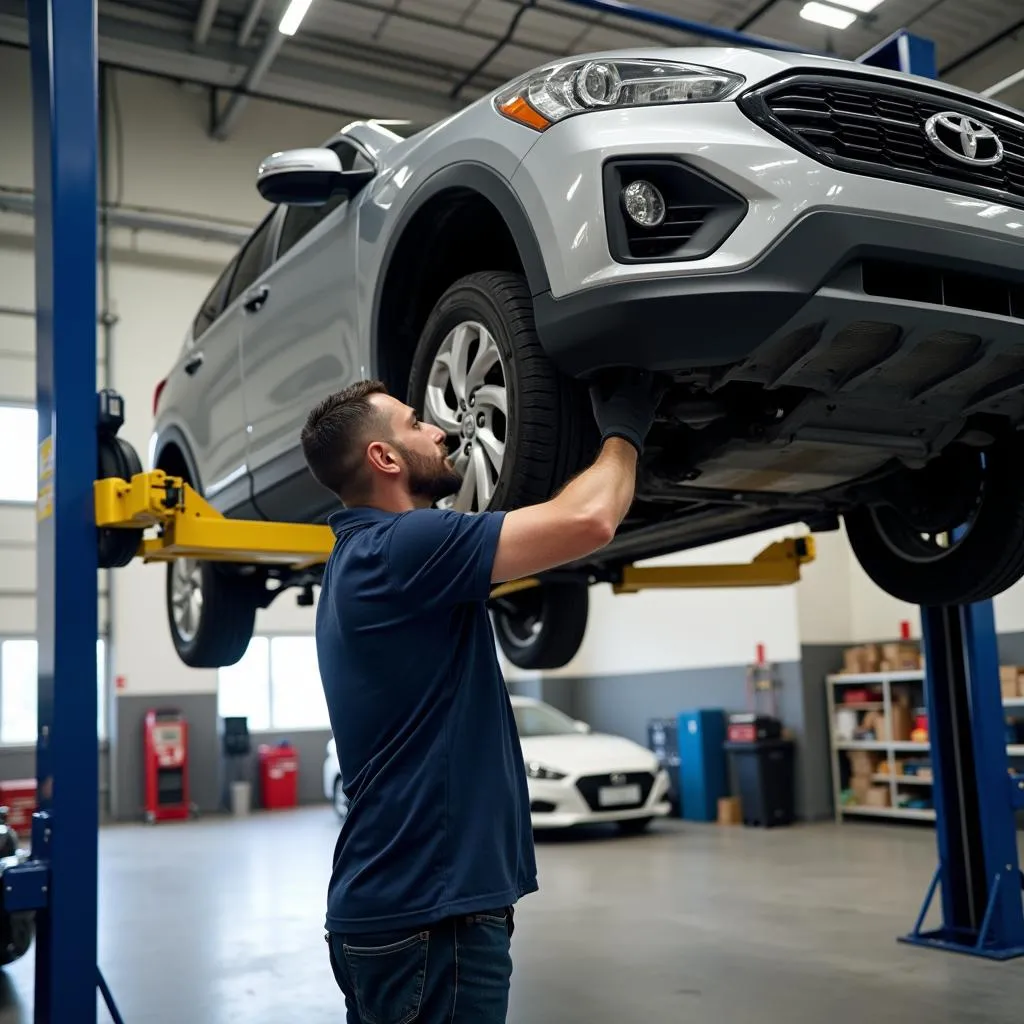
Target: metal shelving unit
[{"x": 897, "y": 782}]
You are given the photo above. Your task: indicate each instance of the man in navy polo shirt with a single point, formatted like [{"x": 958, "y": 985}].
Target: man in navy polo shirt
[{"x": 437, "y": 845}]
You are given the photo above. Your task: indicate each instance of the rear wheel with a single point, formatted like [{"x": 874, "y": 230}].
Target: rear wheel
[
  {"x": 117, "y": 459},
  {"x": 953, "y": 533},
  {"x": 542, "y": 627},
  {"x": 211, "y": 610}
]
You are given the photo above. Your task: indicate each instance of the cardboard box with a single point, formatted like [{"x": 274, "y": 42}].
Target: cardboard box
[
  {"x": 901, "y": 724},
  {"x": 1010, "y": 681},
  {"x": 862, "y": 659},
  {"x": 862, "y": 763},
  {"x": 729, "y": 811},
  {"x": 860, "y": 786},
  {"x": 901, "y": 656},
  {"x": 878, "y": 796}
]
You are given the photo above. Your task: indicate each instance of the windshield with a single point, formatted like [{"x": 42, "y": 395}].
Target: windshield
[{"x": 542, "y": 720}]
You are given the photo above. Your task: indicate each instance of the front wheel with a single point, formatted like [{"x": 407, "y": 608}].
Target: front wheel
[
  {"x": 954, "y": 533},
  {"x": 211, "y": 611},
  {"x": 542, "y": 627},
  {"x": 517, "y": 428}
]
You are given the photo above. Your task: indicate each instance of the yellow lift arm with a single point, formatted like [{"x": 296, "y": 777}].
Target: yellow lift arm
[{"x": 189, "y": 527}]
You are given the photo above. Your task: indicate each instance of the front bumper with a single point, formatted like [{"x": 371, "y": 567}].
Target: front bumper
[
  {"x": 575, "y": 800},
  {"x": 782, "y": 266},
  {"x": 811, "y": 275}
]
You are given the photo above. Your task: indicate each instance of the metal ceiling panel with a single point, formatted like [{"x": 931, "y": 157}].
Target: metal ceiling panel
[{"x": 376, "y": 57}]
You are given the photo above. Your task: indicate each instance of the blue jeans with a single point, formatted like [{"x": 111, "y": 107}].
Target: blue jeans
[{"x": 456, "y": 971}]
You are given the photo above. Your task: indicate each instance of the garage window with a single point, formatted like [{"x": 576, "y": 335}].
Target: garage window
[
  {"x": 19, "y": 690},
  {"x": 276, "y": 685},
  {"x": 19, "y": 427}
]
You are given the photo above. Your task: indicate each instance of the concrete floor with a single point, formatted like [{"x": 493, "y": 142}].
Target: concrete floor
[{"x": 219, "y": 922}]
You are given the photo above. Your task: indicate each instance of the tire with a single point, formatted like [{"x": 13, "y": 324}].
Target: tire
[
  {"x": 542, "y": 627},
  {"x": 546, "y": 431},
  {"x": 986, "y": 560},
  {"x": 340, "y": 801},
  {"x": 16, "y": 933},
  {"x": 218, "y": 624},
  {"x": 116, "y": 458},
  {"x": 634, "y": 826}
]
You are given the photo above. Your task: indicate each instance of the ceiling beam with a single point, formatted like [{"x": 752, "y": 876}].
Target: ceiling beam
[
  {"x": 250, "y": 21},
  {"x": 226, "y": 120},
  {"x": 204, "y": 21},
  {"x": 301, "y": 76}
]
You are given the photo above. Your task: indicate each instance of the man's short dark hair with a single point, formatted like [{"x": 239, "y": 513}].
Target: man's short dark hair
[{"x": 335, "y": 437}]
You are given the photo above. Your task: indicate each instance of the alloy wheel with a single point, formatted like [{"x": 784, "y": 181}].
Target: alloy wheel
[
  {"x": 467, "y": 397},
  {"x": 186, "y": 597}
]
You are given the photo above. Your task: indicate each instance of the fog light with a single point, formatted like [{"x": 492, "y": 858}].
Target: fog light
[{"x": 644, "y": 204}]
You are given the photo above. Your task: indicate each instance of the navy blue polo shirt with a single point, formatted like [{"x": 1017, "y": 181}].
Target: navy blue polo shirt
[{"x": 439, "y": 812}]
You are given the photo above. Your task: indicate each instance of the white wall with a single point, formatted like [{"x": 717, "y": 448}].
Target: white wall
[
  {"x": 156, "y": 285},
  {"x": 662, "y": 630}
]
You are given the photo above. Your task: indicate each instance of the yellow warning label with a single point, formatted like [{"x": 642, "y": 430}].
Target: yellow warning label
[
  {"x": 44, "y": 503},
  {"x": 45, "y": 458}
]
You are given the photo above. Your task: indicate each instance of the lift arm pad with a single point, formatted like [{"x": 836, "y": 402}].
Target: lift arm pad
[{"x": 777, "y": 565}]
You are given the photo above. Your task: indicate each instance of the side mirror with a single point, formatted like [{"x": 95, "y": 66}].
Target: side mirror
[
  {"x": 307, "y": 177},
  {"x": 581, "y": 727}
]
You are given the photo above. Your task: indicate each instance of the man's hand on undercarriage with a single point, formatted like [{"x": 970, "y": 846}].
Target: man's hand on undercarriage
[{"x": 625, "y": 402}]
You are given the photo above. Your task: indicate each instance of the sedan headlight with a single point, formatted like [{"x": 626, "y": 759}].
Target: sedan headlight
[
  {"x": 541, "y": 99},
  {"x": 539, "y": 771}
]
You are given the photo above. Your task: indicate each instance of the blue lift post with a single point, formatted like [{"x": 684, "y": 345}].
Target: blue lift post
[
  {"x": 59, "y": 882},
  {"x": 975, "y": 795}
]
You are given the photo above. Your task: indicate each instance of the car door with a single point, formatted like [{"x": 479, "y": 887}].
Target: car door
[
  {"x": 212, "y": 399},
  {"x": 298, "y": 346}
]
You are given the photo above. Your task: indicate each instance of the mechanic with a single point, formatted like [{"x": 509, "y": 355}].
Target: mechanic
[{"x": 437, "y": 846}]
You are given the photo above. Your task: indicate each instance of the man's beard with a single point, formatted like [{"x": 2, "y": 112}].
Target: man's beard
[{"x": 430, "y": 479}]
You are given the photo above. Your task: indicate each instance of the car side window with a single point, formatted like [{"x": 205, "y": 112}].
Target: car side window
[
  {"x": 251, "y": 261},
  {"x": 300, "y": 220},
  {"x": 213, "y": 303}
]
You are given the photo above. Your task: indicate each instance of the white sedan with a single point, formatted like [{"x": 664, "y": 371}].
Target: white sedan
[{"x": 575, "y": 777}]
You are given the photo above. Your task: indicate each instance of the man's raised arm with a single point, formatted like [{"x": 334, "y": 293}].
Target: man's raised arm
[{"x": 584, "y": 515}]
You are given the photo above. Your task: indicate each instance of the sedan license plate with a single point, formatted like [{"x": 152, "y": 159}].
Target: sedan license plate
[{"x": 616, "y": 796}]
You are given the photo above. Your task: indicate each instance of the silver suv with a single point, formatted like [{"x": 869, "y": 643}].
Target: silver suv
[{"x": 826, "y": 259}]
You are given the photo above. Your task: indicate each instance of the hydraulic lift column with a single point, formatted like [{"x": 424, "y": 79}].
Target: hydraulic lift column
[
  {"x": 60, "y": 881},
  {"x": 974, "y": 794}
]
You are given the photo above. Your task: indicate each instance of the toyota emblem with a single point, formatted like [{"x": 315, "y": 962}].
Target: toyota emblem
[{"x": 963, "y": 138}]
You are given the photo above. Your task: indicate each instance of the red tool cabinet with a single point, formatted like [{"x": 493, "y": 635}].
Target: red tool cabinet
[{"x": 165, "y": 751}]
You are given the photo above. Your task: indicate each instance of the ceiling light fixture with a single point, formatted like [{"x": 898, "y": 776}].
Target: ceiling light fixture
[
  {"x": 833, "y": 17},
  {"x": 860, "y": 6},
  {"x": 292, "y": 17}
]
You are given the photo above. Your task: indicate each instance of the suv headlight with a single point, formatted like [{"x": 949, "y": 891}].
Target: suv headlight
[
  {"x": 539, "y": 771},
  {"x": 542, "y": 98}
]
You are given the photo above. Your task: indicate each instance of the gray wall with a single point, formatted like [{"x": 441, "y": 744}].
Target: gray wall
[
  {"x": 624, "y": 704},
  {"x": 200, "y": 710},
  {"x": 207, "y": 773},
  {"x": 20, "y": 763},
  {"x": 310, "y": 747},
  {"x": 818, "y": 661}
]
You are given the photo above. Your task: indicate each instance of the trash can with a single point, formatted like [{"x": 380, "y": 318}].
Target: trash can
[
  {"x": 766, "y": 781},
  {"x": 279, "y": 776},
  {"x": 241, "y": 798}
]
